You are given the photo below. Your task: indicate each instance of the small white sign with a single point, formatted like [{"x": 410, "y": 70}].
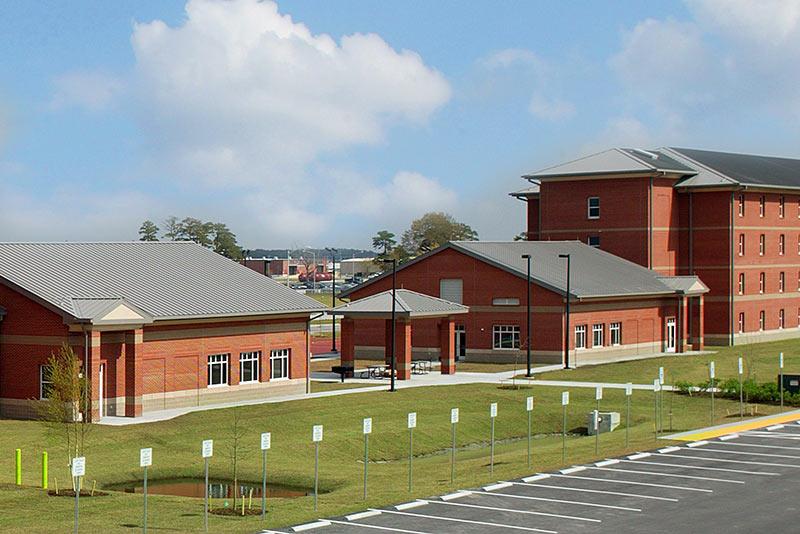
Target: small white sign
[
  {"x": 145, "y": 457},
  {"x": 368, "y": 425},
  {"x": 564, "y": 398},
  {"x": 208, "y": 448},
  {"x": 596, "y": 420},
  {"x": 661, "y": 374},
  {"x": 781, "y": 361},
  {"x": 656, "y": 385},
  {"x": 316, "y": 434},
  {"x": 454, "y": 416},
  {"x": 598, "y": 393},
  {"x": 266, "y": 441},
  {"x": 79, "y": 466},
  {"x": 412, "y": 420},
  {"x": 493, "y": 409},
  {"x": 628, "y": 389},
  {"x": 741, "y": 366},
  {"x": 711, "y": 370},
  {"x": 529, "y": 404}
]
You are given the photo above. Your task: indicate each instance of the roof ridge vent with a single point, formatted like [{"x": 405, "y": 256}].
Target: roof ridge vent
[{"x": 646, "y": 153}]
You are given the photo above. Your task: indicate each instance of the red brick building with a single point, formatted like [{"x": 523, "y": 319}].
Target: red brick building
[
  {"x": 157, "y": 325},
  {"x": 617, "y": 307},
  {"x": 731, "y": 219}
]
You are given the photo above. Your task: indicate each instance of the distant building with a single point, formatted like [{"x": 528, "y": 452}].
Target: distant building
[
  {"x": 284, "y": 266},
  {"x": 362, "y": 267}
]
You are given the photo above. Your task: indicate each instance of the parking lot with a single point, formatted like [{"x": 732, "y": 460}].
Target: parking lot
[{"x": 743, "y": 482}]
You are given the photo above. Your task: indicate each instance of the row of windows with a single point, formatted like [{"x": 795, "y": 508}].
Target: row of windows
[
  {"x": 598, "y": 335},
  {"x": 762, "y": 245},
  {"x": 762, "y": 320},
  {"x": 762, "y": 282},
  {"x": 762, "y": 206}
]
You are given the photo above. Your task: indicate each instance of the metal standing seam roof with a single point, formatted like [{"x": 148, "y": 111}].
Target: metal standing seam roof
[
  {"x": 165, "y": 280},
  {"x": 407, "y": 303},
  {"x": 616, "y": 161},
  {"x": 740, "y": 169}
]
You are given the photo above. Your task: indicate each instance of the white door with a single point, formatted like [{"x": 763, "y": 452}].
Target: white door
[
  {"x": 101, "y": 393},
  {"x": 670, "y": 339}
]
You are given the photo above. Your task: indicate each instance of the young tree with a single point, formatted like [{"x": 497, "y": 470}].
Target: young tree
[
  {"x": 173, "y": 231},
  {"x": 236, "y": 447},
  {"x": 384, "y": 241},
  {"x": 148, "y": 231},
  {"x": 224, "y": 242},
  {"x": 433, "y": 230}
]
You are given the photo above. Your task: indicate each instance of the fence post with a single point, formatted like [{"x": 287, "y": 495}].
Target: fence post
[
  {"x": 564, "y": 403},
  {"x": 18, "y": 467},
  {"x": 529, "y": 409},
  {"x": 628, "y": 393},
  {"x": 44, "y": 470}
]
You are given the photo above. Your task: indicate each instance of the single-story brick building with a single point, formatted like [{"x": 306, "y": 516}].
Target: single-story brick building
[
  {"x": 157, "y": 325},
  {"x": 617, "y": 306}
]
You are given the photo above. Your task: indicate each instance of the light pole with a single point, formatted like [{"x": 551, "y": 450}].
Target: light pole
[
  {"x": 393, "y": 261},
  {"x": 528, "y": 342},
  {"x": 333, "y": 296},
  {"x": 566, "y": 328}
]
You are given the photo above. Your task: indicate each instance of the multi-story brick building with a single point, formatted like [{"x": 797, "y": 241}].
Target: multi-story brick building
[
  {"x": 731, "y": 219},
  {"x": 155, "y": 325}
]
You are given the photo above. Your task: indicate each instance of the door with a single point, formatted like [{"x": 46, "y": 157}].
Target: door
[
  {"x": 670, "y": 335},
  {"x": 461, "y": 342},
  {"x": 101, "y": 397}
]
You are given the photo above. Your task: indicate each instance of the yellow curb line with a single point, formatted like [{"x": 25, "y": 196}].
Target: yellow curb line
[{"x": 750, "y": 425}]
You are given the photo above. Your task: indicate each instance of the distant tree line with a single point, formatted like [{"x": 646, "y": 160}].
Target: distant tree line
[
  {"x": 427, "y": 233},
  {"x": 214, "y": 235}
]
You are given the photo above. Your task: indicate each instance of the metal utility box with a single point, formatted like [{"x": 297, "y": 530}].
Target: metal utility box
[
  {"x": 608, "y": 422},
  {"x": 791, "y": 383}
]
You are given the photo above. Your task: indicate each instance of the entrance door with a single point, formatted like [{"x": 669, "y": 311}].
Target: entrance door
[
  {"x": 461, "y": 342},
  {"x": 669, "y": 342},
  {"x": 101, "y": 375}
]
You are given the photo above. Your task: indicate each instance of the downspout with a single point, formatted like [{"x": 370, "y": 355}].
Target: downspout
[
  {"x": 730, "y": 285},
  {"x": 650, "y": 228},
  {"x": 85, "y": 372}
]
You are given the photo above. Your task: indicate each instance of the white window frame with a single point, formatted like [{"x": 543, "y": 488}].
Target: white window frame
[
  {"x": 741, "y": 245},
  {"x": 741, "y": 205},
  {"x": 250, "y": 359},
  {"x": 615, "y": 334},
  {"x": 762, "y": 321},
  {"x": 597, "y": 241},
  {"x": 781, "y": 245},
  {"x": 781, "y": 282},
  {"x": 762, "y": 244},
  {"x": 42, "y": 381},
  {"x": 589, "y": 208},
  {"x": 283, "y": 356},
  {"x": 500, "y": 337},
  {"x": 598, "y": 334},
  {"x": 741, "y": 284},
  {"x": 762, "y": 283},
  {"x": 505, "y": 301},
  {"x": 782, "y": 207},
  {"x": 741, "y": 322},
  {"x": 580, "y": 333},
  {"x": 223, "y": 361},
  {"x": 781, "y": 319},
  {"x": 762, "y": 206}
]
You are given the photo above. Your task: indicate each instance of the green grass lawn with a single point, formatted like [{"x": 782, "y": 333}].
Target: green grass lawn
[
  {"x": 486, "y": 367},
  {"x": 760, "y": 362},
  {"x": 325, "y": 298},
  {"x": 112, "y": 455}
]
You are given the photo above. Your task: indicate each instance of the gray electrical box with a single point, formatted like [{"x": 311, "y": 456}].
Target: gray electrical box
[{"x": 608, "y": 422}]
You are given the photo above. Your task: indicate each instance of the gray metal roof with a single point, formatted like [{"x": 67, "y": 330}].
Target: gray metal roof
[
  {"x": 407, "y": 303},
  {"x": 616, "y": 161},
  {"x": 161, "y": 280},
  {"x": 528, "y": 191},
  {"x": 740, "y": 169},
  {"x": 687, "y": 285}
]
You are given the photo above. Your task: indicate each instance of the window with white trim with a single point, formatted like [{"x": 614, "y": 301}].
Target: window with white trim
[
  {"x": 741, "y": 205},
  {"x": 248, "y": 366},
  {"x": 762, "y": 245},
  {"x": 593, "y": 207},
  {"x": 741, "y": 322},
  {"x": 597, "y": 334},
  {"x": 505, "y": 337},
  {"x": 781, "y": 281},
  {"x": 615, "y": 331},
  {"x": 741, "y": 283},
  {"x": 741, "y": 245},
  {"x": 762, "y": 319},
  {"x": 762, "y": 206},
  {"x": 762, "y": 282},
  {"x": 580, "y": 336},
  {"x": 593, "y": 241},
  {"x": 781, "y": 244},
  {"x": 780, "y": 319},
  {"x": 218, "y": 369},
  {"x": 45, "y": 381},
  {"x": 279, "y": 364},
  {"x": 781, "y": 206},
  {"x": 505, "y": 301}
]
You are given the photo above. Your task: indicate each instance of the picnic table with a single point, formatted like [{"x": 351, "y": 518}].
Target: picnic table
[{"x": 420, "y": 367}]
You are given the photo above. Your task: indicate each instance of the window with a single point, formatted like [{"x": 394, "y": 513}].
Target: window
[
  {"x": 597, "y": 335},
  {"x": 279, "y": 364},
  {"x": 762, "y": 282},
  {"x": 741, "y": 283},
  {"x": 762, "y": 206},
  {"x": 218, "y": 369},
  {"x": 781, "y": 281},
  {"x": 505, "y": 337},
  {"x": 505, "y": 302},
  {"x": 580, "y": 336},
  {"x": 452, "y": 290},
  {"x": 594, "y": 241},
  {"x": 762, "y": 245},
  {"x": 616, "y": 333},
  {"x": 781, "y": 244},
  {"x": 781, "y": 206},
  {"x": 761, "y": 320},
  {"x": 45, "y": 381},
  {"x": 593, "y": 207},
  {"x": 741, "y": 245},
  {"x": 780, "y": 319},
  {"x": 741, "y": 205},
  {"x": 248, "y": 366},
  {"x": 741, "y": 322},
  {"x": 798, "y": 245}
]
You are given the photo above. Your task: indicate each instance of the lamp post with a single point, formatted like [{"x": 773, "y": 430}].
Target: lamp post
[
  {"x": 393, "y": 261},
  {"x": 566, "y": 328},
  {"x": 333, "y": 296},
  {"x": 528, "y": 342}
]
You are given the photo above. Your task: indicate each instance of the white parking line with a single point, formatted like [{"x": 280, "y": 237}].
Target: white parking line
[
  {"x": 362, "y": 515},
  {"x": 561, "y": 501},
  {"x": 584, "y": 490},
  {"x": 729, "y": 436},
  {"x": 529, "y": 512},
  {"x": 409, "y": 505},
  {"x": 740, "y": 444},
  {"x": 721, "y": 469},
  {"x": 378, "y": 527},
  {"x": 771, "y": 435},
  {"x": 725, "y": 460},
  {"x": 752, "y": 453},
  {"x": 632, "y": 483},
  {"x": 675, "y": 475},
  {"x": 311, "y": 526},
  {"x": 472, "y": 522}
]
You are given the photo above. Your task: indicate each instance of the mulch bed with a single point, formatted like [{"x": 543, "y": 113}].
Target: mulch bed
[
  {"x": 71, "y": 493},
  {"x": 235, "y": 511}
]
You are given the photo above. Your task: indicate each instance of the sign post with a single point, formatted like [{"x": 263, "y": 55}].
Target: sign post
[
  {"x": 145, "y": 461},
  {"x": 316, "y": 436},
  {"x": 628, "y": 393},
  {"x": 529, "y": 409},
  {"x": 780, "y": 365},
  {"x": 367, "y": 432},
  {"x": 453, "y": 423},
  {"x": 656, "y": 389},
  {"x": 712, "y": 374},
  {"x": 492, "y": 416},
  {"x": 598, "y": 396},
  {"x": 78, "y": 471},
  {"x": 266, "y": 444},
  {"x": 207, "y": 452},
  {"x": 661, "y": 381},
  {"x": 412, "y": 424},
  {"x": 741, "y": 389},
  {"x": 564, "y": 404}
]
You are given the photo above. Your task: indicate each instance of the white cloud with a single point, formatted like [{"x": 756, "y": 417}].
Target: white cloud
[
  {"x": 503, "y": 59},
  {"x": 93, "y": 91},
  {"x": 550, "y": 109}
]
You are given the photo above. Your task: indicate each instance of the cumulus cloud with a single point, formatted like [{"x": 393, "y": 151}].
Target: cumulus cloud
[
  {"x": 551, "y": 109},
  {"x": 93, "y": 91}
]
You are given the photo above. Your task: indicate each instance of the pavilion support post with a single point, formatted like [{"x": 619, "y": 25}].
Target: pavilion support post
[
  {"x": 348, "y": 344},
  {"x": 403, "y": 349},
  {"x": 447, "y": 351}
]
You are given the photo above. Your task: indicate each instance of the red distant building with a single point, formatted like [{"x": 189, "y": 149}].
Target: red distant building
[{"x": 284, "y": 266}]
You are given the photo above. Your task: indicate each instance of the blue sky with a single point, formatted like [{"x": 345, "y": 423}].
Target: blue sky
[{"x": 354, "y": 116}]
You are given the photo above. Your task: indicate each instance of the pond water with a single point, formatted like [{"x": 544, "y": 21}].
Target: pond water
[{"x": 217, "y": 489}]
